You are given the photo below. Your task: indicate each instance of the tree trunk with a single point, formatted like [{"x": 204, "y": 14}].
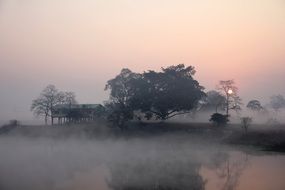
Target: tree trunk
[{"x": 45, "y": 120}]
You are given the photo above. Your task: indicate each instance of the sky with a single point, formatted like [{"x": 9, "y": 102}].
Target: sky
[{"x": 78, "y": 45}]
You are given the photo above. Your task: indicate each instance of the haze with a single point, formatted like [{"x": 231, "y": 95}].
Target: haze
[{"x": 80, "y": 44}]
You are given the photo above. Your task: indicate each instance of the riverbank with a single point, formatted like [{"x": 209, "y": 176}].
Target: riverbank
[{"x": 259, "y": 136}]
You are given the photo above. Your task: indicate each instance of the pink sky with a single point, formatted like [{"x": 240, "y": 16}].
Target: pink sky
[{"x": 79, "y": 44}]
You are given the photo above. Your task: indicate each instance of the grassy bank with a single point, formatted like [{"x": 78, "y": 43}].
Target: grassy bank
[
  {"x": 260, "y": 136},
  {"x": 269, "y": 140}
]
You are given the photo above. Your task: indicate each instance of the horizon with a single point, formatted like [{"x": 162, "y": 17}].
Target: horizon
[{"x": 79, "y": 45}]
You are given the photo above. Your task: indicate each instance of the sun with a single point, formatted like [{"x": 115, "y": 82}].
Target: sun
[{"x": 230, "y": 91}]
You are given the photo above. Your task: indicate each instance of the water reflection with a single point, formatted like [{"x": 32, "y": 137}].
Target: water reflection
[
  {"x": 228, "y": 168},
  {"x": 178, "y": 174},
  {"x": 135, "y": 165},
  {"x": 156, "y": 175}
]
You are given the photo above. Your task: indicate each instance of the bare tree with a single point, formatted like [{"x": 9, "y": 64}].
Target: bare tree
[
  {"x": 69, "y": 98},
  {"x": 229, "y": 89},
  {"x": 50, "y": 97}
]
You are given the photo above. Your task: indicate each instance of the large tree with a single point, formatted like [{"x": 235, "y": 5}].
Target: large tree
[
  {"x": 50, "y": 97},
  {"x": 162, "y": 94},
  {"x": 171, "y": 92},
  {"x": 122, "y": 92}
]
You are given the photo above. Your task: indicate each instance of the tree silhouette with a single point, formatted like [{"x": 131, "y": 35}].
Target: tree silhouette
[
  {"x": 164, "y": 94},
  {"x": 122, "y": 88},
  {"x": 50, "y": 97},
  {"x": 229, "y": 89},
  {"x": 214, "y": 101},
  {"x": 173, "y": 91},
  {"x": 254, "y": 105},
  {"x": 277, "y": 102}
]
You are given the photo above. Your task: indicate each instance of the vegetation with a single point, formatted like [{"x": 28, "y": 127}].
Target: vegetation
[
  {"x": 219, "y": 119},
  {"x": 230, "y": 91},
  {"x": 45, "y": 104},
  {"x": 137, "y": 97},
  {"x": 255, "y": 105},
  {"x": 159, "y": 95},
  {"x": 214, "y": 101},
  {"x": 277, "y": 102},
  {"x": 245, "y": 123}
]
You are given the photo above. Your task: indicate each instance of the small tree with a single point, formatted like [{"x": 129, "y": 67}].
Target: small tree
[
  {"x": 254, "y": 105},
  {"x": 214, "y": 101},
  {"x": 245, "y": 123},
  {"x": 219, "y": 119},
  {"x": 277, "y": 102}
]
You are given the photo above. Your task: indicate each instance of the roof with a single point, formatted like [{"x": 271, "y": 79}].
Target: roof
[{"x": 77, "y": 106}]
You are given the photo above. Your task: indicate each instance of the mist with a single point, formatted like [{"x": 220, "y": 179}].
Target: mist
[
  {"x": 76, "y": 163},
  {"x": 142, "y": 95},
  {"x": 170, "y": 160},
  {"x": 79, "y": 45}
]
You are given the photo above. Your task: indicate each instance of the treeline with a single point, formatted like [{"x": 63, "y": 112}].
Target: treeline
[{"x": 158, "y": 95}]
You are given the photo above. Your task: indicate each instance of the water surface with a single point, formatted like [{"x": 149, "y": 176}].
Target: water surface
[{"x": 166, "y": 162}]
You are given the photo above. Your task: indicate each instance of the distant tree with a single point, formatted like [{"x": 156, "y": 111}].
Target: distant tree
[
  {"x": 277, "y": 102},
  {"x": 68, "y": 98},
  {"x": 214, "y": 101},
  {"x": 50, "y": 97},
  {"x": 255, "y": 105},
  {"x": 229, "y": 89},
  {"x": 219, "y": 119}
]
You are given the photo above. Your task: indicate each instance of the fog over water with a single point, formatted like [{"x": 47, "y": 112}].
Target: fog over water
[
  {"x": 164, "y": 162},
  {"x": 80, "y": 44}
]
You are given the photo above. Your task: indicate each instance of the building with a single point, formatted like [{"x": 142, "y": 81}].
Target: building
[{"x": 76, "y": 113}]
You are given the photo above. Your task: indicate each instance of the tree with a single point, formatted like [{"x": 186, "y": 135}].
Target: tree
[
  {"x": 50, "y": 97},
  {"x": 122, "y": 91},
  {"x": 233, "y": 101},
  {"x": 219, "y": 119},
  {"x": 277, "y": 102},
  {"x": 68, "y": 98},
  {"x": 164, "y": 94},
  {"x": 170, "y": 92},
  {"x": 214, "y": 101},
  {"x": 255, "y": 105},
  {"x": 245, "y": 123}
]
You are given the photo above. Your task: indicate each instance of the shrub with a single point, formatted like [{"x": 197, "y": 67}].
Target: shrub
[{"x": 219, "y": 119}]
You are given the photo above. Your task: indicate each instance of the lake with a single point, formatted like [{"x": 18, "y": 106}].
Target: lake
[{"x": 171, "y": 162}]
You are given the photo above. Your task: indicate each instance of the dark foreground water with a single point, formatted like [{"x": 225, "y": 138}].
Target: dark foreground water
[{"x": 161, "y": 163}]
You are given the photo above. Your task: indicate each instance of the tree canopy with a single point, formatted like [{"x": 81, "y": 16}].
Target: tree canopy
[
  {"x": 214, "y": 101},
  {"x": 254, "y": 105},
  {"x": 277, "y": 102},
  {"x": 161, "y": 95}
]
